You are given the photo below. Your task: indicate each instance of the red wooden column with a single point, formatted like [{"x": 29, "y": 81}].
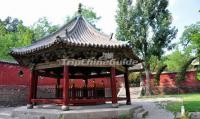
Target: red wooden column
[
  {"x": 128, "y": 101},
  {"x": 65, "y": 88},
  {"x": 58, "y": 88},
  {"x": 31, "y": 88},
  {"x": 35, "y": 84},
  {"x": 113, "y": 88}
]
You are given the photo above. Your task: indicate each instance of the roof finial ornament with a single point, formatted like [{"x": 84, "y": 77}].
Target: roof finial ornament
[
  {"x": 111, "y": 35},
  {"x": 58, "y": 38},
  {"x": 79, "y": 8}
]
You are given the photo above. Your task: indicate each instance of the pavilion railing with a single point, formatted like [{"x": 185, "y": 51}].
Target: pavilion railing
[
  {"x": 84, "y": 92},
  {"x": 92, "y": 92}
]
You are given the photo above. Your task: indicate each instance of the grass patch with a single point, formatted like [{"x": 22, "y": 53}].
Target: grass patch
[{"x": 190, "y": 101}]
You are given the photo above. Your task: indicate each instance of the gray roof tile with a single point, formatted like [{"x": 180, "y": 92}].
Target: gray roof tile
[{"x": 79, "y": 33}]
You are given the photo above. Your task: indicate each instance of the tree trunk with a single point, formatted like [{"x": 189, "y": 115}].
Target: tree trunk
[
  {"x": 142, "y": 86},
  {"x": 147, "y": 72}
]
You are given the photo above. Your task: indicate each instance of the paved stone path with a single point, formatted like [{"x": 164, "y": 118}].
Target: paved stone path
[
  {"x": 5, "y": 112},
  {"x": 154, "y": 110}
]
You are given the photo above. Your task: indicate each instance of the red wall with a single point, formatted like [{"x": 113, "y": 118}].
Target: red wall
[
  {"x": 168, "y": 79},
  {"x": 9, "y": 76},
  {"x": 167, "y": 84}
]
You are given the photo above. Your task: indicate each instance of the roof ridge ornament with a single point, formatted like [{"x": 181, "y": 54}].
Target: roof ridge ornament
[
  {"x": 58, "y": 38},
  {"x": 79, "y": 8},
  {"x": 111, "y": 35}
]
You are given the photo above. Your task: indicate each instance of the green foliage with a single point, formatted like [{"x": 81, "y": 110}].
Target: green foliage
[
  {"x": 134, "y": 75},
  {"x": 196, "y": 42},
  {"x": 11, "y": 24},
  {"x": 198, "y": 76},
  {"x": 43, "y": 28},
  {"x": 6, "y": 42},
  {"x": 189, "y": 32},
  {"x": 147, "y": 26},
  {"x": 134, "y": 78},
  {"x": 181, "y": 75},
  {"x": 13, "y": 34},
  {"x": 123, "y": 21},
  {"x": 179, "y": 61},
  {"x": 191, "y": 38},
  {"x": 175, "y": 60},
  {"x": 155, "y": 63},
  {"x": 191, "y": 103}
]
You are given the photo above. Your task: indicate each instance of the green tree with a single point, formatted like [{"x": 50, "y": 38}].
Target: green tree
[
  {"x": 6, "y": 42},
  {"x": 175, "y": 60},
  {"x": 122, "y": 21},
  {"x": 190, "y": 38},
  {"x": 24, "y": 36},
  {"x": 42, "y": 28},
  {"x": 13, "y": 34},
  {"x": 156, "y": 63},
  {"x": 147, "y": 26},
  {"x": 11, "y": 24},
  {"x": 181, "y": 74},
  {"x": 3, "y": 29}
]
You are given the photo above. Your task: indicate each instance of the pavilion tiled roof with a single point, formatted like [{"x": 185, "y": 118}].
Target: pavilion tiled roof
[{"x": 78, "y": 32}]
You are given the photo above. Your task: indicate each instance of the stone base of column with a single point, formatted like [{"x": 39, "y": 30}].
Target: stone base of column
[
  {"x": 29, "y": 106},
  {"x": 65, "y": 108},
  {"x": 116, "y": 105},
  {"x": 128, "y": 103}
]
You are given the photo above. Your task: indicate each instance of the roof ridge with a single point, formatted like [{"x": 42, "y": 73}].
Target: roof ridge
[
  {"x": 74, "y": 26},
  {"x": 94, "y": 29},
  {"x": 57, "y": 31}
]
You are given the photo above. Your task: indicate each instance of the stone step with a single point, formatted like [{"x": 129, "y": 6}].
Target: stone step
[
  {"x": 4, "y": 115},
  {"x": 139, "y": 110},
  {"x": 137, "y": 107},
  {"x": 195, "y": 115},
  {"x": 27, "y": 116},
  {"x": 140, "y": 113}
]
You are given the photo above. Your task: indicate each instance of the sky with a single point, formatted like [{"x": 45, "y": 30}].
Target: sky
[{"x": 184, "y": 12}]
